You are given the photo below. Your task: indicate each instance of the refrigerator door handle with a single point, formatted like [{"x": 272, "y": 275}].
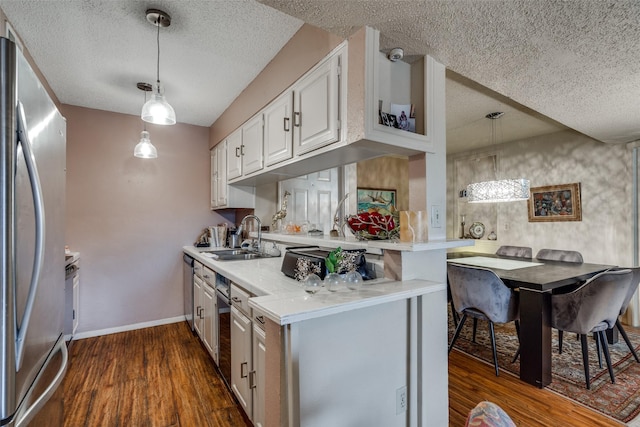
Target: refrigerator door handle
[
  {"x": 30, "y": 162},
  {"x": 23, "y": 418}
]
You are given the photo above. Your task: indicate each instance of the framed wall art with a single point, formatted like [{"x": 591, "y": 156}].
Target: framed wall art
[
  {"x": 376, "y": 200},
  {"x": 555, "y": 203}
]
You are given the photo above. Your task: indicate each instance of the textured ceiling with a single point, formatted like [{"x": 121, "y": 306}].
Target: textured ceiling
[
  {"x": 93, "y": 52},
  {"x": 575, "y": 62}
]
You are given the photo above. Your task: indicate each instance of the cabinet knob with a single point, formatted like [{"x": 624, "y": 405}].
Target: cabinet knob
[
  {"x": 286, "y": 124},
  {"x": 260, "y": 319},
  {"x": 297, "y": 119},
  {"x": 237, "y": 151},
  {"x": 252, "y": 379},
  {"x": 242, "y": 150}
]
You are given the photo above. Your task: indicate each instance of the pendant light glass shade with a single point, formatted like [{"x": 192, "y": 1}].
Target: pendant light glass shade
[
  {"x": 157, "y": 110},
  {"x": 504, "y": 190},
  {"x": 145, "y": 149}
]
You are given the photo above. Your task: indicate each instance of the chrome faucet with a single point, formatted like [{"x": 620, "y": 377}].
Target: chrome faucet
[{"x": 256, "y": 219}]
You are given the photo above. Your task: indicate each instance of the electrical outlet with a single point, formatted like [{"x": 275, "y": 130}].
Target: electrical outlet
[
  {"x": 401, "y": 400},
  {"x": 436, "y": 220}
]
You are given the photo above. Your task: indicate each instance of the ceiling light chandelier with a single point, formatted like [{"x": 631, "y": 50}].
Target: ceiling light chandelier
[
  {"x": 145, "y": 149},
  {"x": 157, "y": 110},
  {"x": 503, "y": 190}
]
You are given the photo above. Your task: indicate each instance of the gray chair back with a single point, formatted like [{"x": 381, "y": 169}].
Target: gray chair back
[
  {"x": 515, "y": 251},
  {"x": 559, "y": 255},
  {"x": 482, "y": 290},
  {"x": 633, "y": 287},
  {"x": 594, "y": 306}
]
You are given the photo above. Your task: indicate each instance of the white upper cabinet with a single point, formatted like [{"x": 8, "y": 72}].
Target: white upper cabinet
[
  {"x": 315, "y": 116},
  {"x": 234, "y": 154},
  {"x": 278, "y": 129},
  {"x": 251, "y": 149},
  {"x": 224, "y": 195}
]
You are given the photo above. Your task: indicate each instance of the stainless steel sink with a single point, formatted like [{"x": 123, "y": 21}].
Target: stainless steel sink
[{"x": 238, "y": 254}]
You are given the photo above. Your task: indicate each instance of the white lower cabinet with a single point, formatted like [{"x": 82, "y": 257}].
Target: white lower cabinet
[
  {"x": 258, "y": 374},
  {"x": 241, "y": 359},
  {"x": 209, "y": 332},
  {"x": 198, "y": 319},
  {"x": 204, "y": 310}
]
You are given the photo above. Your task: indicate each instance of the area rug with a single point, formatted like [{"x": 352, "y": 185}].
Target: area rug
[{"x": 620, "y": 401}]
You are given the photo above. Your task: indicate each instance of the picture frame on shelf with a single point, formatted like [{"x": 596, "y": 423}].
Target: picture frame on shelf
[
  {"x": 555, "y": 203},
  {"x": 405, "y": 121},
  {"x": 378, "y": 200}
]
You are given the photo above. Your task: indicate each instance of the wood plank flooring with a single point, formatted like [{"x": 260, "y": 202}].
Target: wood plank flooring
[
  {"x": 162, "y": 376},
  {"x": 472, "y": 381},
  {"x": 158, "y": 377}
]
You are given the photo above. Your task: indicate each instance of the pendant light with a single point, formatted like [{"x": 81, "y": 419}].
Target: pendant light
[
  {"x": 145, "y": 149},
  {"x": 503, "y": 190},
  {"x": 157, "y": 110}
]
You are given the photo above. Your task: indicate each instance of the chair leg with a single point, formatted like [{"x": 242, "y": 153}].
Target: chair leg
[
  {"x": 607, "y": 357},
  {"x": 454, "y": 314},
  {"x": 515, "y": 357},
  {"x": 596, "y": 336},
  {"x": 626, "y": 339},
  {"x": 585, "y": 359},
  {"x": 493, "y": 347},
  {"x": 475, "y": 327},
  {"x": 560, "y": 333},
  {"x": 458, "y": 329}
]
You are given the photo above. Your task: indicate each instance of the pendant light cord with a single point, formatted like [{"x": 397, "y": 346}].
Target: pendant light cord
[{"x": 158, "y": 62}]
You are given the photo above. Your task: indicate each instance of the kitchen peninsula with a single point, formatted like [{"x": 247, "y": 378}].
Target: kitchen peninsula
[{"x": 349, "y": 357}]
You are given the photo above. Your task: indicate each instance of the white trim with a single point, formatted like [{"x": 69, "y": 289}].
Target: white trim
[{"x": 124, "y": 328}]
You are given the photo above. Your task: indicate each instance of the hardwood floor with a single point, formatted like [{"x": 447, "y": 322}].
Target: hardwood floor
[
  {"x": 471, "y": 381},
  {"x": 162, "y": 376},
  {"x": 158, "y": 376}
]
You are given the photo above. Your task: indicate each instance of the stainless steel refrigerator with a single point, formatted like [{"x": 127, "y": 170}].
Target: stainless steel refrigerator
[{"x": 33, "y": 354}]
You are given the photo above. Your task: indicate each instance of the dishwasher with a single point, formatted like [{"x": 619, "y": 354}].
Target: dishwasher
[{"x": 187, "y": 283}]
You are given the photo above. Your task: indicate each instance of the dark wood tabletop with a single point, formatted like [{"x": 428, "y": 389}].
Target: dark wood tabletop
[{"x": 552, "y": 275}]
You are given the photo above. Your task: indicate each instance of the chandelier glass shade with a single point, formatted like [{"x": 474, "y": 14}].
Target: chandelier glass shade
[
  {"x": 145, "y": 149},
  {"x": 504, "y": 190},
  {"x": 501, "y": 190}
]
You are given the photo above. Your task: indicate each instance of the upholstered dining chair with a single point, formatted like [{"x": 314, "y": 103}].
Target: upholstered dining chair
[
  {"x": 559, "y": 255},
  {"x": 515, "y": 251},
  {"x": 479, "y": 293},
  {"x": 635, "y": 280},
  {"x": 592, "y": 309}
]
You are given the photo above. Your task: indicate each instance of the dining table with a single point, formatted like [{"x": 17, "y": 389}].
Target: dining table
[{"x": 536, "y": 280}]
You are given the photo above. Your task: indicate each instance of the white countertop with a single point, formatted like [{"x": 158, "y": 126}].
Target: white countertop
[{"x": 283, "y": 300}]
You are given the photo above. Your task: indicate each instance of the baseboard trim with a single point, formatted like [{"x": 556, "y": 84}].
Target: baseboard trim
[{"x": 125, "y": 328}]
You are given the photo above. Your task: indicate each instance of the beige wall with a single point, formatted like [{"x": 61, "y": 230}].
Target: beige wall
[
  {"x": 129, "y": 217},
  {"x": 604, "y": 171},
  {"x": 388, "y": 173}
]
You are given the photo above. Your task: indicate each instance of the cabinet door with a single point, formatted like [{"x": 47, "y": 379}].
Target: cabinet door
[
  {"x": 252, "y": 147},
  {"x": 257, "y": 383},
  {"x": 209, "y": 314},
  {"x": 241, "y": 359},
  {"x": 234, "y": 156},
  {"x": 214, "y": 178},
  {"x": 222, "y": 173},
  {"x": 197, "y": 305},
  {"x": 278, "y": 134},
  {"x": 315, "y": 116}
]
